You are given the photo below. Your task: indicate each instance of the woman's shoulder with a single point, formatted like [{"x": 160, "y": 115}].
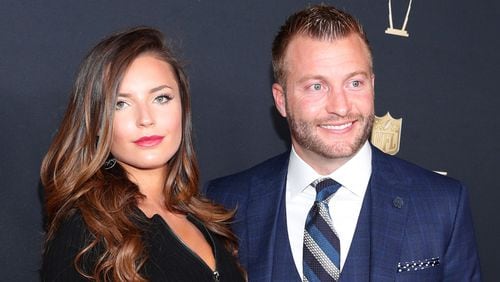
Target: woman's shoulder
[
  {"x": 69, "y": 239},
  {"x": 72, "y": 231}
]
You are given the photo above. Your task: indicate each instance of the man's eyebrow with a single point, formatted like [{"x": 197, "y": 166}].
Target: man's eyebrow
[
  {"x": 349, "y": 75},
  {"x": 308, "y": 77},
  {"x": 321, "y": 77}
]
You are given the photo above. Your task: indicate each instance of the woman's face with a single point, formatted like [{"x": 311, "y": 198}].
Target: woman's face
[{"x": 147, "y": 126}]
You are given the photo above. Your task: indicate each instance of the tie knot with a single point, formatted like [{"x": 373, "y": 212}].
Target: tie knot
[{"x": 325, "y": 188}]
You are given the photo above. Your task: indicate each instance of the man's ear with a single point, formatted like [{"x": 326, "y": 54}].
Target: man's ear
[{"x": 279, "y": 98}]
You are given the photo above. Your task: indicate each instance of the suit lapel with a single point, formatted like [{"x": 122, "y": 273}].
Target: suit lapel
[
  {"x": 357, "y": 264},
  {"x": 389, "y": 210}
]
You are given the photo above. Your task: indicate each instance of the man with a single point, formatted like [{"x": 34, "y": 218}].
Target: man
[{"x": 389, "y": 220}]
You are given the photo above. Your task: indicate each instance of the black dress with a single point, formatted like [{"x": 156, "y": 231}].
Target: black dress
[{"x": 168, "y": 258}]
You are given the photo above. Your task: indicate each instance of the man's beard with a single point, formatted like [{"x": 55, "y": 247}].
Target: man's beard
[{"x": 304, "y": 133}]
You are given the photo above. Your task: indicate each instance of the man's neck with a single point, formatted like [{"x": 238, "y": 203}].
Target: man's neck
[{"x": 321, "y": 164}]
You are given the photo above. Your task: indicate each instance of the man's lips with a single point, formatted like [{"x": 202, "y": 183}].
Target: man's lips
[
  {"x": 337, "y": 126},
  {"x": 149, "y": 141}
]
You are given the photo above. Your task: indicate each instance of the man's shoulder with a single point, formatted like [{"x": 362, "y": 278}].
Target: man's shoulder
[
  {"x": 239, "y": 184},
  {"x": 269, "y": 168},
  {"x": 410, "y": 171}
]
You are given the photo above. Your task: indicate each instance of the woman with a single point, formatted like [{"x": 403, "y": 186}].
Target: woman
[{"x": 121, "y": 176}]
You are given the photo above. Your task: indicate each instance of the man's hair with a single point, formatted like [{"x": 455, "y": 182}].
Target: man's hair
[{"x": 320, "y": 22}]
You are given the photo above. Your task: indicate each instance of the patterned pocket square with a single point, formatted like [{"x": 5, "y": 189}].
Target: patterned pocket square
[{"x": 417, "y": 264}]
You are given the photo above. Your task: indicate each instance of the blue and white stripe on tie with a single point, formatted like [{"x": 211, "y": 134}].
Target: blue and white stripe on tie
[{"x": 321, "y": 243}]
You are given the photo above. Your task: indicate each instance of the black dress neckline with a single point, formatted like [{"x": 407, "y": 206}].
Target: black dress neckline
[{"x": 157, "y": 220}]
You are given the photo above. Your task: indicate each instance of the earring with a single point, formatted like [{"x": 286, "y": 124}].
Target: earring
[{"x": 109, "y": 164}]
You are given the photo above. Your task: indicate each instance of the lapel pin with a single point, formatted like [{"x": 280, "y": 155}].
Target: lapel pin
[{"x": 398, "y": 202}]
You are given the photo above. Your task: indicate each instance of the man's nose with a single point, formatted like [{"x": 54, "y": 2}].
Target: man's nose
[{"x": 337, "y": 102}]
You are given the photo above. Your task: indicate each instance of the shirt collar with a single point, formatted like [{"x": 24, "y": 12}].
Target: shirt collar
[{"x": 354, "y": 175}]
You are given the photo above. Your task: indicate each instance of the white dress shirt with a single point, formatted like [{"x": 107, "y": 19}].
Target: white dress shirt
[{"x": 344, "y": 206}]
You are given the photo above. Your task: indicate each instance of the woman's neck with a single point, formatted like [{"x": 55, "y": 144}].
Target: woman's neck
[{"x": 151, "y": 182}]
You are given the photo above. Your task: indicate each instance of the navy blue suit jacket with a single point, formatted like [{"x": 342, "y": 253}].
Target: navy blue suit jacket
[{"x": 414, "y": 224}]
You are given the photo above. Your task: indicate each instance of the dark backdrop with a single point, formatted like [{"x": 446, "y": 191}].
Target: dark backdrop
[{"x": 442, "y": 80}]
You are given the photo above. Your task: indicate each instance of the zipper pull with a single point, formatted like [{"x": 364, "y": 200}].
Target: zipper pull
[{"x": 216, "y": 276}]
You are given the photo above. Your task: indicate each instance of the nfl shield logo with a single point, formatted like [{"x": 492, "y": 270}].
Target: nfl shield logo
[{"x": 386, "y": 133}]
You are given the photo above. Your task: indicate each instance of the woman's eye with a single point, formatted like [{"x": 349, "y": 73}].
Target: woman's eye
[
  {"x": 120, "y": 105},
  {"x": 162, "y": 99}
]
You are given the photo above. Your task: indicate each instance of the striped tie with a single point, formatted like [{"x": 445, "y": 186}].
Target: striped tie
[{"x": 321, "y": 244}]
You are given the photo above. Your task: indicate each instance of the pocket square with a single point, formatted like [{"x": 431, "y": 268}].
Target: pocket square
[{"x": 417, "y": 264}]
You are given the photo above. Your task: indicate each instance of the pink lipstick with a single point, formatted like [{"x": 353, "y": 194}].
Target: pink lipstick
[{"x": 149, "y": 141}]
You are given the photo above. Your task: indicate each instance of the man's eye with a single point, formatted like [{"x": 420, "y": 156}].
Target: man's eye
[
  {"x": 356, "y": 83},
  {"x": 316, "y": 86}
]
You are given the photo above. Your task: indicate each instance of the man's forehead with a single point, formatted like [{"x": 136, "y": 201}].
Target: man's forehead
[{"x": 302, "y": 45}]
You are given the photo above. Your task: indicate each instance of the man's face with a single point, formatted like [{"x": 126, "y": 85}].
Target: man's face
[{"x": 328, "y": 100}]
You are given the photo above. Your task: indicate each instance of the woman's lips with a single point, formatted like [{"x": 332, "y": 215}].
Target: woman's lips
[{"x": 149, "y": 141}]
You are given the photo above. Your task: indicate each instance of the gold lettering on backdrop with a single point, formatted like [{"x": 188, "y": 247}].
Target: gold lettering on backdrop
[
  {"x": 386, "y": 133},
  {"x": 402, "y": 31}
]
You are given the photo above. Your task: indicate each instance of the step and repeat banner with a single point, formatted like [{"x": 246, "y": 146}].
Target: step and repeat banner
[{"x": 437, "y": 93}]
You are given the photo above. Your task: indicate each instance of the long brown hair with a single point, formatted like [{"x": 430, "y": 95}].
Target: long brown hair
[{"x": 74, "y": 178}]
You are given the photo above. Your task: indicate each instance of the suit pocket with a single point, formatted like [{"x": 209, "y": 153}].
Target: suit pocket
[
  {"x": 424, "y": 275},
  {"x": 419, "y": 270}
]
